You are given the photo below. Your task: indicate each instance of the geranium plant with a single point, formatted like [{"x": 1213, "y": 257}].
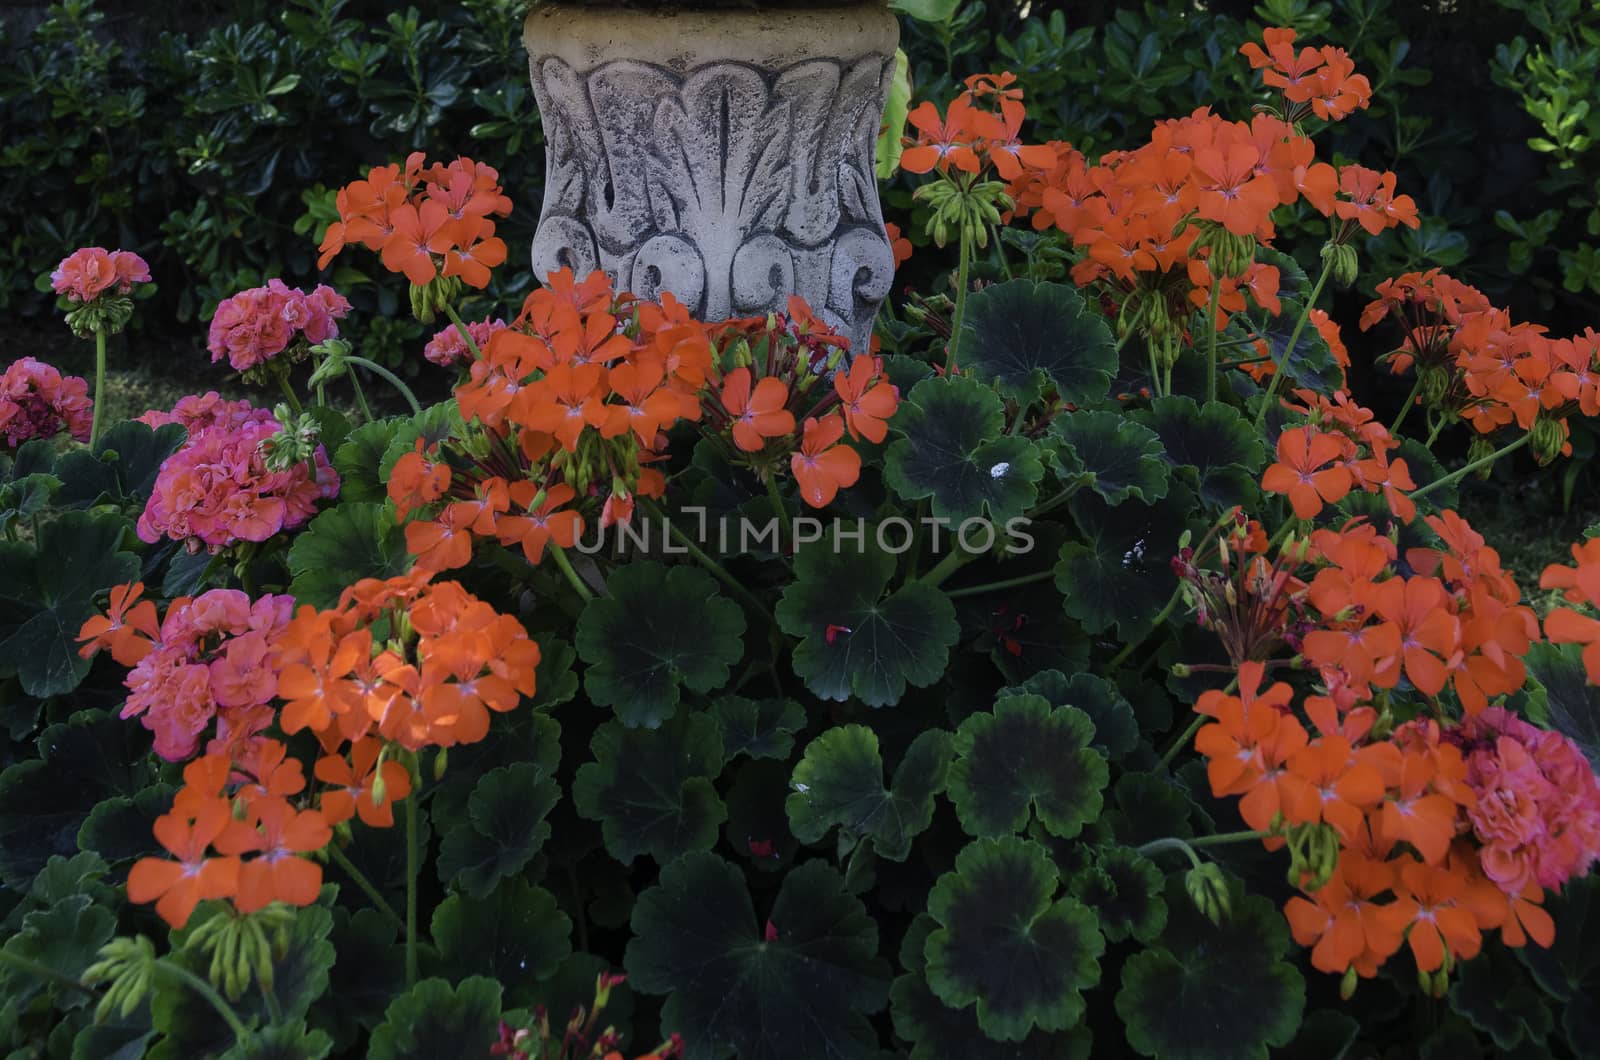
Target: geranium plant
[{"x": 1081, "y": 669}]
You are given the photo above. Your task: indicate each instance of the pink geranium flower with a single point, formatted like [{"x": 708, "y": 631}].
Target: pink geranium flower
[
  {"x": 36, "y": 401},
  {"x": 448, "y": 347},
  {"x": 256, "y": 325},
  {"x": 90, "y": 272}
]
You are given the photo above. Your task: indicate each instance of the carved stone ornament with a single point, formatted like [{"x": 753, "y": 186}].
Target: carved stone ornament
[{"x": 725, "y": 156}]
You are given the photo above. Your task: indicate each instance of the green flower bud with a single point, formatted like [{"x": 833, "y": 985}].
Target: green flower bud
[
  {"x": 1549, "y": 437},
  {"x": 1208, "y": 890},
  {"x": 1347, "y": 985},
  {"x": 1435, "y": 382},
  {"x": 1342, "y": 263},
  {"x": 441, "y": 762}
]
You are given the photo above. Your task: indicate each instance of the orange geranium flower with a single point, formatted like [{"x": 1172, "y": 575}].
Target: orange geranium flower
[
  {"x": 353, "y": 788},
  {"x": 868, "y": 398},
  {"x": 1344, "y": 924},
  {"x": 1430, "y": 636},
  {"x": 178, "y": 886},
  {"x": 546, "y": 520},
  {"x": 822, "y": 467},
  {"x": 1303, "y": 470},
  {"x": 130, "y": 627},
  {"x": 757, "y": 414},
  {"x": 277, "y": 835}
]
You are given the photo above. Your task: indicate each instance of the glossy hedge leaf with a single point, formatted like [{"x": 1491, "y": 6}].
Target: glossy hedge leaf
[
  {"x": 640, "y": 646},
  {"x": 952, "y": 448},
  {"x": 939, "y": 1032},
  {"x": 1116, "y": 727},
  {"x": 1025, "y": 756},
  {"x": 343, "y": 545},
  {"x": 762, "y": 728},
  {"x": 516, "y": 936},
  {"x": 1120, "y": 575},
  {"x": 1006, "y": 942},
  {"x": 1122, "y": 458},
  {"x": 1571, "y": 704},
  {"x": 359, "y": 459},
  {"x": 46, "y": 593},
  {"x": 1025, "y": 335},
  {"x": 504, "y": 829},
  {"x": 652, "y": 789},
  {"x": 1173, "y": 993},
  {"x": 839, "y": 782},
  {"x": 1126, "y": 891},
  {"x": 1220, "y": 449},
  {"x": 796, "y": 988},
  {"x": 433, "y": 1021},
  {"x": 284, "y": 1041},
  {"x": 878, "y": 644},
  {"x": 44, "y": 801}
]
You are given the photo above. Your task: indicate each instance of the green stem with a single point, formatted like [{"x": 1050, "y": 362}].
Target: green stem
[
  {"x": 342, "y": 859},
  {"x": 1181, "y": 742},
  {"x": 466, "y": 335},
  {"x": 361, "y": 397},
  {"x": 1000, "y": 248},
  {"x": 1405, "y": 410},
  {"x": 1008, "y": 583},
  {"x": 1157, "y": 846},
  {"x": 1294, "y": 337},
  {"x": 1222, "y": 838},
  {"x": 389, "y": 377},
  {"x": 750, "y": 599},
  {"x": 214, "y": 999},
  {"x": 42, "y": 971},
  {"x": 99, "y": 385},
  {"x": 778, "y": 509},
  {"x": 951, "y": 563},
  {"x": 1059, "y": 499},
  {"x": 413, "y": 870},
  {"x": 1485, "y": 461},
  {"x": 274, "y": 1010},
  {"x": 565, "y": 566},
  {"x": 1211, "y": 379},
  {"x": 957, "y": 322},
  {"x": 1161, "y": 616},
  {"x": 288, "y": 392}
]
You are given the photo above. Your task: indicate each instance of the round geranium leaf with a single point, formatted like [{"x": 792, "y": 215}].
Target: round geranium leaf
[
  {"x": 797, "y": 987},
  {"x": 504, "y": 828},
  {"x": 64, "y": 937},
  {"x": 758, "y": 728},
  {"x": 282, "y": 1041},
  {"x": 758, "y": 820},
  {"x": 1116, "y": 727},
  {"x": 343, "y": 545},
  {"x": 856, "y": 639},
  {"x": 1120, "y": 574},
  {"x": 651, "y": 789},
  {"x": 1125, "y": 891},
  {"x": 1219, "y": 448},
  {"x": 1008, "y": 944},
  {"x": 434, "y": 1020},
  {"x": 516, "y": 935},
  {"x": 1172, "y": 993},
  {"x": 840, "y": 783},
  {"x": 1310, "y": 363},
  {"x": 1025, "y": 756},
  {"x": 1122, "y": 458},
  {"x": 1571, "y": 705},
  {"x": 953, "y": 449},
  {"x": 359, "y": 460},
  {"x": 640, "y": 649},
  {"x": 118, "y": 829},
  {"x": 1026, "y": 335},
  {"x": 1501, "y": 1000}
]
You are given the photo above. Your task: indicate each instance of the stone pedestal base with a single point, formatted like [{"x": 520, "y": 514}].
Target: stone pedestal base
[{"x": 724, "y": 156}]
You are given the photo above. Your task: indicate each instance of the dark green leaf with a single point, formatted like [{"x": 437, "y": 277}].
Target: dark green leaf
[
  {"x": 1571, "y": 704},
  {"x": 516, "y": 936},
  {"x": 1221, "y": 451},
  {"x": 758, "y": 728},
  {"x": 359, "y": 459},
  {"x": 66, "y": 938},
  {"x": 1125, "y": 891},
  {"x": 1173, "y": 994},
  {"x": 652, "y": 789},
  {"x": 1501, "y": 1001},
  {"x": 1121, "y": 574},
  {"x": 1028, "y": 335},
  {"x": 433, "y": 1021},
  {"x": 504, "y": 829},
  {"x": 952, "y": 448},
  {"x": 1116, "y": 728},
  {"x": 1121, "y": 458},
  {"x": 284, "y": 1041},
  {"x": 1025, "y": 756},
  {"x": 1006, "y": 942},
  {"x": 796, "y": 988},
  {"x": 840, "y": 783},
  {"x": 640, "y": 649},
  {"x": 118, "y": 829},
  {"x": 854, "y": 638},
  {"x": 343, "y": 545}
]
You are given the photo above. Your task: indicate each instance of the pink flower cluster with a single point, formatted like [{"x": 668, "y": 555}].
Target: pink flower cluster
[
  {"x": 90, "y": 272},
  {"x": 36, "y": 401},
  {"x": 218, "y": 491},
  {"x": 448, "y": 347},
  {"x": 212, "y": 661},
  {"x": 255, "y": 326},
  {"x": 1538, "y": 803},
  {"x": 198, "y": 412}
]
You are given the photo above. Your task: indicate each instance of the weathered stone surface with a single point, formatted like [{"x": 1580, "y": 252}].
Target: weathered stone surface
[{"x": 724, "y": 156}]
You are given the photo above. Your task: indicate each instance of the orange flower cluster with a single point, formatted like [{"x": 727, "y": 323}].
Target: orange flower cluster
[
  {"x": 575, "y": 399},
  {"x": 1580, "y": 584},
  {"x": 397, "y": 666},
  {"x": 1320, "y": 81},
  {"x": 424, "y": 221},
  {"x": 980, "y": 130},
  {"x": 1380, "y": 829},
  {"x": 1340, "y": 447},
  {"x": 1474, "y": 363}
]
